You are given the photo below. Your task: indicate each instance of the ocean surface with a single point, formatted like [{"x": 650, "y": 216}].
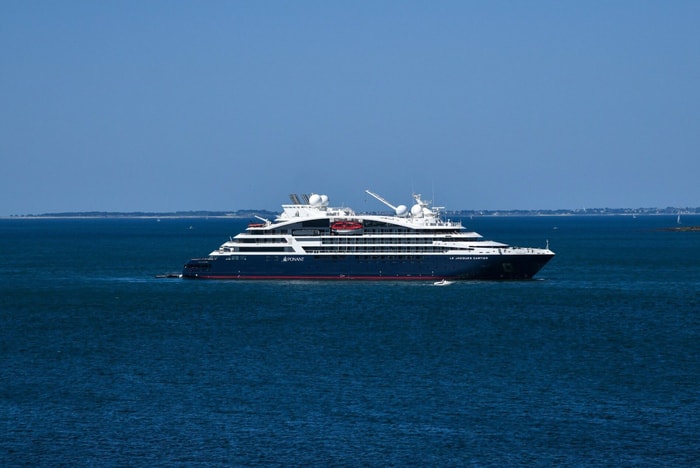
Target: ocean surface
[{"x": 596, "y": 362}]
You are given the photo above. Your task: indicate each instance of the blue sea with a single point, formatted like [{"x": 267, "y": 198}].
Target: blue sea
[{"x": 596, "y": 362}]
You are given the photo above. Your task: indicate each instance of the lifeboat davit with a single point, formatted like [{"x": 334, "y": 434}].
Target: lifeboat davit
[{"x": 347, "y": 227}]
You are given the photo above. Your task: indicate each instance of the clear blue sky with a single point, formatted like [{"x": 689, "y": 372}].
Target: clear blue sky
[{"x": 187, "y": 105}]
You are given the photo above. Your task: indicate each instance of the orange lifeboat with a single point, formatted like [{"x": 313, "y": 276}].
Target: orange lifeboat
[{"x": 347, "y": 227}]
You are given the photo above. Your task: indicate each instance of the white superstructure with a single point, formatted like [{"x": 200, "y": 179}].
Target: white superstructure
[{"x": 420, "y": 230}]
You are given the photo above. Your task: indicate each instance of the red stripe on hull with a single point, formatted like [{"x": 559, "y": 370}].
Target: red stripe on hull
[{"x": 334, "y": 278}]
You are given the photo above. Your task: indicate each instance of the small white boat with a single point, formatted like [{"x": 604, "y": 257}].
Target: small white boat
[{"x": 443, "y": 282}]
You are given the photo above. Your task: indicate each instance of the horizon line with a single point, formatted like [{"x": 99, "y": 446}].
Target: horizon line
[{"x": 671, "y": 210}]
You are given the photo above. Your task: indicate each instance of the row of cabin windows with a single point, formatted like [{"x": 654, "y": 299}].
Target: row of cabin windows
[
  {"x": 342, "y": 239},
  {"x": 265, "y": 249},
  {"x": 359, "y": 258},
  {"x": 382, "y": 241},
  {"x": 374, "y": 258},
  {"x": 261, "y": 240},
  {"x": 325, "y": 231},
  {"x": 372, "y": 249}
]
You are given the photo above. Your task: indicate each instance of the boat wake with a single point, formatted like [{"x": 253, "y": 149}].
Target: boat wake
[{"x": 443, "y": 283}]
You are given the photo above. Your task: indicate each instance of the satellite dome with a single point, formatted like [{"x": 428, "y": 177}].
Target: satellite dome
[
  {"x": 401, "y": 210},
  {"x": 417, "y": 210},
  {"x": 315, "y": 200},
  {"x": 324, "y": 200}
]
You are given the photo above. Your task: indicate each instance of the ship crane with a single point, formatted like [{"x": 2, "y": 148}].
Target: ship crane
[
  {"x": 264, "y": 220},
  {"x": 400, "y": 210}
]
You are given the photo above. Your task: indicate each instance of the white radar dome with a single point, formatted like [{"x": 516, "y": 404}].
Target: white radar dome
[
  {"x": 417, "y": 210},
  {"x": 324, "y": 200},
  {"x": 315, "y": 200},
  {"x": 401, "y": 210}
]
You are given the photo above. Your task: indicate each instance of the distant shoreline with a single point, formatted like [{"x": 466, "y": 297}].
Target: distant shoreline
[{"x": 243, "y": 214}]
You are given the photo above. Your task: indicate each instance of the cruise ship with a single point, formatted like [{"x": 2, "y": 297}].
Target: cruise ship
[{"x": 310, "y": 240}]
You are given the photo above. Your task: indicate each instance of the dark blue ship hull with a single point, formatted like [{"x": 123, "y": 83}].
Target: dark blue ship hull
[{"x": 366, "y": 267}]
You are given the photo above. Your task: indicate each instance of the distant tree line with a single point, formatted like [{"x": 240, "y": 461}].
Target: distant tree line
[
  {"x": 583, "y": 211},
  {"x": 271, "y": 215},
  {"x": 154, "y": 214}
]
